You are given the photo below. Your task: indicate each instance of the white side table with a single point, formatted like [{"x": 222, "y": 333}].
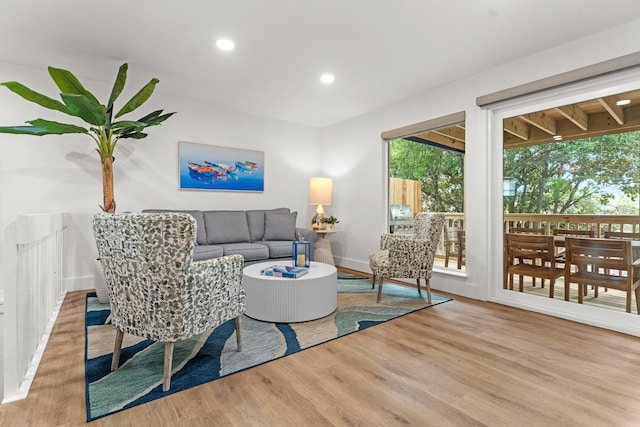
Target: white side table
[{"x": 322, "y": 249}]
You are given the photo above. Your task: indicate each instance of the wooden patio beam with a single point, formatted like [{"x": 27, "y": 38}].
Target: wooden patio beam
[
  {"x": 442, "y": 140},
  {"x": 616, "y": 111},
  {"x": 575, "y": 115},
  {"x": 516, "y": 128},
  {"x": 452, "y": 132},
  {"x": 542, "y": 121}
]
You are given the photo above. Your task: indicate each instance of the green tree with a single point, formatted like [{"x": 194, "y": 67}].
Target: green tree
[
  {"x": 439, "y": 170},
  {"x": 581, "y": 176}
]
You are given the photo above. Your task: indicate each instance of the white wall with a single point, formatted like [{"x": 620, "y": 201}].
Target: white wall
[
  {"x": 359, "y": 160},
  {"x": 63, "y": 174}
]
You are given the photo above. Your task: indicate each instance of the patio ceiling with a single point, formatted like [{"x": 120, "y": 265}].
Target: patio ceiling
[{"x": 585, "y": 119}]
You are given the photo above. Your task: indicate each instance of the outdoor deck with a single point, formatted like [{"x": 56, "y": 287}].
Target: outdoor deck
[{"x": 611, "y": 299}]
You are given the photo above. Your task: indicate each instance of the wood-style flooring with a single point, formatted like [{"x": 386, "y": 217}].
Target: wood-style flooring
[{"x": 462, "y": 363}]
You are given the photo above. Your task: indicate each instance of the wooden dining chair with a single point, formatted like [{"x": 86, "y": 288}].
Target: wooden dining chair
[
  {"x": 527, "y": 230},
  {"x": 623, "y": 235},
  {"x": 462, "y": 248},
  {"x": 451, "y": 244},
  {"x": 531, "y": 255},
  {"x": 560, "y": 255},
  {"x": 594, "y": 261}
]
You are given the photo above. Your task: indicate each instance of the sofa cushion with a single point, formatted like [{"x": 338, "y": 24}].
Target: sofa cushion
[
  {"x": 279, "y": 248},
  {"x": 278, "y": 226},
  {"x": 250, "y": 251},
  {"x": 226, "y": 227},
  {"x": 255, "y": 218},
  {"x": 201, "y": 232},
  {"x": 202, "y": 252}
]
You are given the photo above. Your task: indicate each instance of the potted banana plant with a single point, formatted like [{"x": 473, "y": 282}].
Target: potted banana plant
[{"x": 100, "y": 121}]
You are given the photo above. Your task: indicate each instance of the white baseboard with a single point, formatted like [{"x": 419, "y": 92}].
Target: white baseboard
[{"x": 80, "y": 283}]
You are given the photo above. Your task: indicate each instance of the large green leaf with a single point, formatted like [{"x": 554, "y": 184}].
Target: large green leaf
[
  {"x": 139, "y": 98},
  {"x": 24, "y": 130},
  {"x": 56, "y": 127},
  {"x": 134, "y": 135},
  {"x": 68, "y": 83},
  {"x": 155, "y": 118},
  {"x": 129, "y": 124},
  {"x": 121, "y": 79},
  {"x": 35, "y": 97},
  {"x": 82, "y": 107},
  {"x": 150, "y": 117}
]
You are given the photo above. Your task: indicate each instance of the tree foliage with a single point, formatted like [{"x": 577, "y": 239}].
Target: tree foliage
[
  {"x": 582, "y": 176},
  {"x": 439, "y": 170},
  {"x": 599, "y": 175}
]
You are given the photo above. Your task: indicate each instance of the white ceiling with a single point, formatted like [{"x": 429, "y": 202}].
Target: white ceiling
[{"x": 379, "y": 50}]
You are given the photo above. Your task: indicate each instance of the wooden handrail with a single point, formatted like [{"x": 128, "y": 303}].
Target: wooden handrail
[
  {"x": 598, "y": 223},
  {"x": 549, "y": 222}
]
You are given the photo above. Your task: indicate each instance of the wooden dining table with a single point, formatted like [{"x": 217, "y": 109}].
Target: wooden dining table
[{"x": 558, "y": 241}]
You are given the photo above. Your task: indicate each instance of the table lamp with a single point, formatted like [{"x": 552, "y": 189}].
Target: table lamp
[{"x": 320, "y": 193}]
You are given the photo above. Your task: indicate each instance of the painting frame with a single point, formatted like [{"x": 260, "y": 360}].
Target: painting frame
[{"x": 205, "y": 167}]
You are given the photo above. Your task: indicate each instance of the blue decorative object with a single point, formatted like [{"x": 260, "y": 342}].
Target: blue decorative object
[{"x": 301, "y": 254}]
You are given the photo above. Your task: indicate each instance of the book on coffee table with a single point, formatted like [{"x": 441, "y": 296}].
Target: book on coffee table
[{"x": 284, "y": 271}]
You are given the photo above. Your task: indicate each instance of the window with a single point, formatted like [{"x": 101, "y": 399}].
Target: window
[
  {"x": 575, "y": 169},
  {"x": 426, "y": 173}
]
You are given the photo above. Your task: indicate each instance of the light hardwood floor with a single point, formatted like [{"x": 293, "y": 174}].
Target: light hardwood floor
[{"x": 462, "y": 363}]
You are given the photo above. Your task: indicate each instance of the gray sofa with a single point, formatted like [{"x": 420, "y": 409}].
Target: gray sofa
[{"x": 257, "y": 235}]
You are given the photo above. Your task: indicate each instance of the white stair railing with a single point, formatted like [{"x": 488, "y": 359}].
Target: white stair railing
[{"x": 32, "y": 301}]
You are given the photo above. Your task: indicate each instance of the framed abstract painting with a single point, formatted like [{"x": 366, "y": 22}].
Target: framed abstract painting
[{"x": 211, "y": 167}]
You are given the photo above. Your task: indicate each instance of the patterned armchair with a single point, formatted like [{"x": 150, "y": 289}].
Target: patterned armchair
[
  {"x": 409, "y": 256},
  {"x": 156, "y": 290}
]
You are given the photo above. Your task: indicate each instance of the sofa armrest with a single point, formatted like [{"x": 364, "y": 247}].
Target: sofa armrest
[{"x": 308, "y": 235}]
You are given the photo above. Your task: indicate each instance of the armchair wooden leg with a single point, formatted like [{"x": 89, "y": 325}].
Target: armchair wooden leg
[
  {"x": 380, "y": 289},
  {"x": 373, "y": 281},
  {"x": 168, "y": 361},
  {"x": 418, "y": 284},
  {"x": 428, "y": 285},
  {"x": 115, "y": 360},
  {"x": 238, "y": 333}
]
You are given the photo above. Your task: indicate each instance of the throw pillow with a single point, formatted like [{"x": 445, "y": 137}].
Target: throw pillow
[
  {"x": 279, "y": 226},
  {"x": 255, "y": 218}
]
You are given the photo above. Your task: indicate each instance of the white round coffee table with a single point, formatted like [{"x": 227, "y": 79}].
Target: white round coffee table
[{"x": 281, "y": 299}]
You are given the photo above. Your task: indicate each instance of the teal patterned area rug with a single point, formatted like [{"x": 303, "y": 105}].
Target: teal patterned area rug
[{"x": 213, "y": 355}]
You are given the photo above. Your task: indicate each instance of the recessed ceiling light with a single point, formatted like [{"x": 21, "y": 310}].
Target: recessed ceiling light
[
  {"x": 327, "y": 78},
  {"x": 225, "y": 44},
  {"x": 623, "y": 102}
]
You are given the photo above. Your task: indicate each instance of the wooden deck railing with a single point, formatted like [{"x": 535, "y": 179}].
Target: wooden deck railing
[
  {"x": 550, "y": 222},
  {"x": 598, "y": 223}
]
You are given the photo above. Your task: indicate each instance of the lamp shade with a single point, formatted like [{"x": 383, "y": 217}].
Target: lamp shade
[{"x": 320, "y": 191}]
